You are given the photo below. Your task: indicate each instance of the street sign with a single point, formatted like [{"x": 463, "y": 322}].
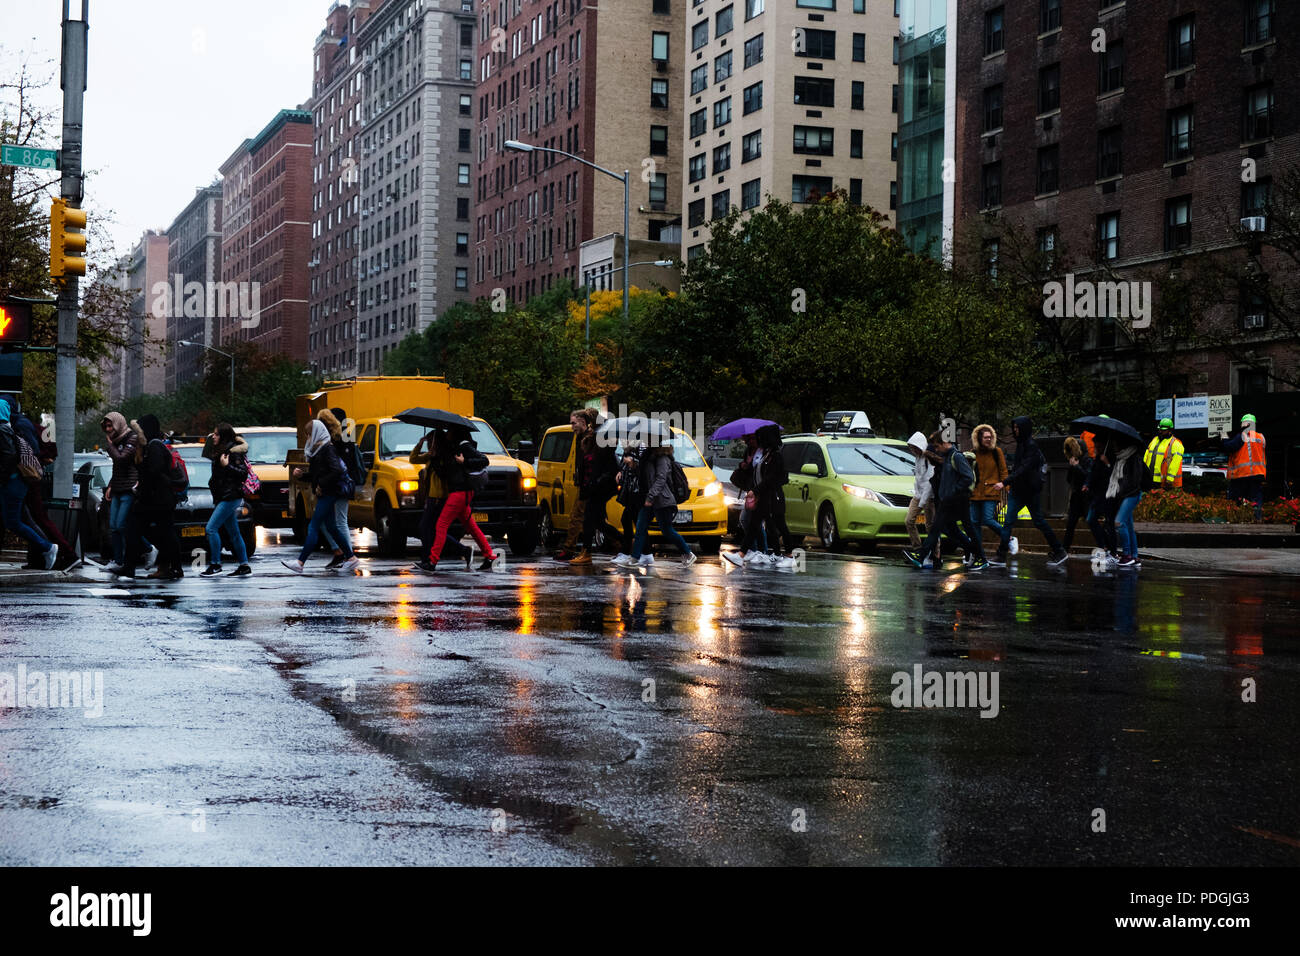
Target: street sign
[
  {"x": 1220, "y": 420},
  {"x": 1164, "y": 408},
  {"x": 12, "y": 155},
  {"x": 1192, "y": 412},
  {"x": 15, "y": 323}
]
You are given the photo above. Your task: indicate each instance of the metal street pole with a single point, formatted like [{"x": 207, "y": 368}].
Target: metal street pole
[
  {"x": 72, "y": 80},
  {"x": 627, "y": 239}
]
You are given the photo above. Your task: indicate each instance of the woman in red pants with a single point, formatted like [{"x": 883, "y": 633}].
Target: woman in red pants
[{"x": 457, "y": 474}]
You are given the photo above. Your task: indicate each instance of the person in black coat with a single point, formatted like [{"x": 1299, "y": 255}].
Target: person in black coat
[
  {"x": 154, "y": 514},
  {"x": 330, "y": 482},
  {"x": 595, "y": 472},
  {"x": 1025, "y": 481},
  {"x": 631, "y": 495},
  {"x": 229, "y": 456}
]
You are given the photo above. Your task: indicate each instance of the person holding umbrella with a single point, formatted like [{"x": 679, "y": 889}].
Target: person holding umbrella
[
  {"x": 439, "y": 447},
  {"x": 1025, "y": 481}
]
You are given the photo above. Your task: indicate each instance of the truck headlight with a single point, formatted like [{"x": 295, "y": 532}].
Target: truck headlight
[
  {"x": 712, "y": 488},
  {"x": 530, "y": 483},
  {"x": 408, "y": 487},
  {"x": 867, "y": 493}
]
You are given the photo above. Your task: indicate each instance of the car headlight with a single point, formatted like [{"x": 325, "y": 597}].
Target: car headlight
[
  {"x": 712, "y": 488},
  {"x": 408, "y": 487},
  {"x": 859, "y": 492},
  {"x": 530, "y": 483}
]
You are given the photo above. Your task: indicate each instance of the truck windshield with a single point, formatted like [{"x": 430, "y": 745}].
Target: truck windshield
[
  {"x": 398, "y": 438},
  {"x": 270, "y": 448}
]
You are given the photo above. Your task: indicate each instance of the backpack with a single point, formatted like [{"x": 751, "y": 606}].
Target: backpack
[
  {"x": 351, "y": 459},
  {"x": 677, "y": 483},
  {"x": 252, "y": 484},
  {"x": 476, "y": 470},
  {"x": 29, "y": 466},
  {"x": 965, "y": 476},
  {"x": 178, "y": 476}
]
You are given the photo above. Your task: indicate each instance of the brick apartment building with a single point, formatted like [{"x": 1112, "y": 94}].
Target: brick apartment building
[
  {"x": 336, "y": 107},
  {"x": 266, "y": 233},
  {"x": 605, "y": 84}
]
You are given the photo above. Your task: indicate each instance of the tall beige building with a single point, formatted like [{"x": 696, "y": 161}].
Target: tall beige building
[{"x": 788, "y": 98}]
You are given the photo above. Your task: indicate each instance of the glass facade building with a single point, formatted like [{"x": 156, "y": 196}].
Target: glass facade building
[{"x": 923, "y": 118}]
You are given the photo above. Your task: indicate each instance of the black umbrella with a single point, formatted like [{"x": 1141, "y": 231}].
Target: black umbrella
[
  {"x": 435, "y": 418},
  {"x": 633, "y": 430},
  {"x": 1112, "y": 426}
]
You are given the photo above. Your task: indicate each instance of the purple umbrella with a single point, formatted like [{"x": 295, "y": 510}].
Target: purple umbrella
[{"x": 740, "y": 428}]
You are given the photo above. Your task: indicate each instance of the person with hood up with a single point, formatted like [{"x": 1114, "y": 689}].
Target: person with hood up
[
  {"x": 594, "y": 471},
  {"x": 953, "y": 513},
  {"x": 456, "y": 480},
  {"x": 1025, "y": 479},
  {"x": 123, "y": 443},
  {"x": 656, "y": 467},
  {"x": 229, "y": 456},
  {"x": 35, "y": 502},
  {"x": 338, "y": 430},
  {"x": 922, "y": 493},
  {"x": 1127, "y": 479},
  {"x": 155, "y": 507},
  {"x": 990, "y": 468},
  {"x": 13, "y": 491},
  {"x": 329, "y": 480}
]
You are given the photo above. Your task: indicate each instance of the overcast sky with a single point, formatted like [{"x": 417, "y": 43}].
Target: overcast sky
[{"x": 173, "y": 87}]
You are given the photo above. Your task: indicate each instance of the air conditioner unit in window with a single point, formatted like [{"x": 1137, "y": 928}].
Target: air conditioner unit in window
[
  {"x": 1256, "y": 320},
  {"x": 363, "y": 337},
  {"x": 414, "y": 286},
  {"x": 1254, "y": 224}
]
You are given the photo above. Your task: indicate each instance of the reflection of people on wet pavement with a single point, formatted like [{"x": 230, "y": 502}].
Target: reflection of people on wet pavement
[{"x": 1126, "y": 603}]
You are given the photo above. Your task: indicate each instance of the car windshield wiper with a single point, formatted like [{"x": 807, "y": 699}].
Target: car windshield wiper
[{"x": 884, "y": 469}]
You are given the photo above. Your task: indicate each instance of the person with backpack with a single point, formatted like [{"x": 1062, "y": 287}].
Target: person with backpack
[
  {"x": 229, "y": 456},
  {"x": 340, "y": 429},
  {"x": 953, "y": 511},
  {"x": 431, "y": 489},
  {"x": 662, "y": 478},
  {"x": 460, "y": 474},
  {"x": 13, "y": 491},
  {"x": 775, "y": 476},
  {"x": 163, "y": 482},
  {"x": 1025, "y": 481},
  {"x": 594, "y": 469},
  {"x": 1129, "y": 475},
  {"x": 330, "y": 482},
  {"x": 631, "y": 495}
]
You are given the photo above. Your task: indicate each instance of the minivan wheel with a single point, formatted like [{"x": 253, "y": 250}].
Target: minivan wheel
[{"x": 829, "y": 530}]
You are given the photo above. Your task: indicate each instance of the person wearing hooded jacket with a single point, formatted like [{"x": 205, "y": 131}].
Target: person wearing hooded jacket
[
  {"x": 1127, "y": 478},
  {"x": 768, "y": 514},
  {"x": 123, "y": 444},
  {"x": 13, "y": 491},
  {"x": 229, "y": 456},
  {"x": 1025, "y": 480},
  {"x": 656, "y": 469},
  {"x": 953, "y": 514},
  {"x": 329, "y": 481},
  {"x": 154, "y": 512},
  {"x": 922, "y": 493},
  {"x": 990, "y": 468}
]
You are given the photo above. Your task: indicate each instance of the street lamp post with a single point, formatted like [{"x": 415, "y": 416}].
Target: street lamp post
[
  {"x": 625, "y": 179},
  {"x": 219, "y": 352},
  {"x": 662, "y": 263}
]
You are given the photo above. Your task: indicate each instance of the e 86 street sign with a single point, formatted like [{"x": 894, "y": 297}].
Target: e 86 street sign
[{"x": 11, "y": 155}]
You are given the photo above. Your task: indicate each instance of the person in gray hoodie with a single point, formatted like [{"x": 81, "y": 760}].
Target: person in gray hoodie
[
  {"x": 956, "y": 479},
  {"x": 922, "y": 493}
]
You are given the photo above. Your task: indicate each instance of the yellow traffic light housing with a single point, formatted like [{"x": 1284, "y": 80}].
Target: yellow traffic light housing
[{"x": 66, "y": 248}]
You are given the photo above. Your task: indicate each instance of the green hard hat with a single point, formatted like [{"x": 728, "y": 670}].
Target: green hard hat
[
  {"x": 1249, "y": 418},
  {"x": 1166, "y": 423},
  {"x": 1103, "y": 415}
]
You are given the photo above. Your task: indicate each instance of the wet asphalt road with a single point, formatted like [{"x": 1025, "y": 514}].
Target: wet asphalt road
[{"x": 550, "y": 715}]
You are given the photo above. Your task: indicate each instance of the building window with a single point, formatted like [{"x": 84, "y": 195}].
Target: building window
[
  {"x": 1252, "y": 382},
  {"x": 893, "y": 147},
  {"x": 722, "y": 112},
  {"x": 1109, "y": 157},
  {"x": 695, "y": 214},
  {"x": 1259, "y": 21},
  {"x": 752, "y": 98},
  {"x": 753, "y": 51},
  {"x": 991, "y": 186},
  {"x": 697, "y": 168},
  {"x": 721, "y": 203},
  {"x": 855, "y": 144},
  {"x": 1178, "y": 134},
  {"x": 1049, "y": 166},
  {"x": 810, "y": 188},
  {"x": 694, "y": 252},
  {"x": 993, "y": 108},
  {"x": 855, "y": 192},
  {"x": 462, "y": 140},
  {"x": 722, "y": 21},
  {"x": 814, "y": 91},
  {"x": 661, "y": 6},
  {"x": 721, "y": 158},
  {"x": 993, "y": 38},
  {"x": 1255, "y": 198},
  {"x": 462, "y": 174},
  {"x": 1049, "y": 88},
  {"x": 815, "y": 44},
  {"x": 699, "y": 122},
  {"x": 814, "y": 140},
  {"x": 462, "y": 243},
  {"x": 1108, "y": 236},
  {"x": 1182, "y": 42},
  {"x": 859, "y": 48},
  {"x": 699, "y": 34},
  {"x": 1259, "y": 112},
  {"x": 462, "y": 278},
  {"x": 1112, "y": 68},
  {"x": 1178, "y": 223},
  {"x": 659, "y": 189},
  {"x": 1049, "y": 15},
  {"x": 466, "y": 69},
  {"x": 1047, "y": 246},
  {"x": 857, "y": 92},
  {"x": 753, "y": 8},
  {"x": 749, "y": 193},
  {"x": 722, "y": 67},
  {"x": 658, "y": 140},
  {"x": 1254, "y": 308},
  {"x": 699, "y": 78},
  {"x": 751, "y": 146},
  {"x": 659, "y": 47},
  {"x": 816, "y": 4},
  {"x": 466, "y": 34},
  {"x": 462, "y": 208},
  {"x": 659, "y": 94},
  {"x": 466, "y": 104}
]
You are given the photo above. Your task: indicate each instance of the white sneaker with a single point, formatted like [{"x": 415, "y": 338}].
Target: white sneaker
[
  {"x": 349, "y": 565},
  {"x": 151, "y": 559},
  {"x": 733, "y": 558},
  {"x": 646, "y": 561},
  {"x": 688, "y": 559},
  {"x": 621, "y": 558},
  {"x": 112, "y": 567},
  {"x": 755, "y": 557},
  {"x": 295, "y": 566},
  {"x": 785, "y": 564},
  {"x": 51, "y": 556},
  {"x": 1013, "y": 546}
]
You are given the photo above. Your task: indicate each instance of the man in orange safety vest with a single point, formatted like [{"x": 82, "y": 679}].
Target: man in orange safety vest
[{"x": 1247, "y": 465}]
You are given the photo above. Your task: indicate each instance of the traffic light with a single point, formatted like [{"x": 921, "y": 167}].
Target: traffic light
[
  {"x": 62, "y": 242},
  {"x": 15, "y": 323}
]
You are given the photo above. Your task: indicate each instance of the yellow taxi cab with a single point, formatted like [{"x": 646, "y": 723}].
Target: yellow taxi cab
[
  {"x": 267, "y": 449},
  {"x": 701, "y": 519}
]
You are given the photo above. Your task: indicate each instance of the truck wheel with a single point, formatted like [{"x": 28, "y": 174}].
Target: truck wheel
[
  {"x": 710, "y": 545},
  {"x": 392, "y": 541},
  {"x": 300, "y": 522},
  {"x": 523, "y": 539},
  {"x": 546, "y": 528}
]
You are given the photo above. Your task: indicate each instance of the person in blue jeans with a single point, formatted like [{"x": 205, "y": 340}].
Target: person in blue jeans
[
  {"x": 1122, "y": 495},
  {"x": 656, "y": 467},
  {"x": 229, "y": 456},
  {"x": 1025, "y": 481},
  {"x": 329, "y": 479},
  {"x": 125, "y": 446},
  {"x": 13, "y": 491}
]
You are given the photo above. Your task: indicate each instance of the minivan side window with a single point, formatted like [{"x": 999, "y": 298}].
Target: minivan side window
[
  {"x": 793, "y": 452},
  {"x": 555, "y": 446},
  {"x": 815, "y": 456}
]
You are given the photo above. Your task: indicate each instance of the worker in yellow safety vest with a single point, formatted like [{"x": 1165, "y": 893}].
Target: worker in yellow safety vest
[
  {"x": 1164, "y": 457},
  {"x": 1247, "y": 465}
]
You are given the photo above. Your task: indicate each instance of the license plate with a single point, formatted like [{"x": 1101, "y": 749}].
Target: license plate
[
  {"x": 480, "y": 517},
  {"x": 194, "y": 531},
  {"x": 684, "y": 517}
]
